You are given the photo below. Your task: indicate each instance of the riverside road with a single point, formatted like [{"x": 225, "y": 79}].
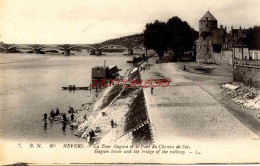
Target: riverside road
[{"x": 193, "y": 111}]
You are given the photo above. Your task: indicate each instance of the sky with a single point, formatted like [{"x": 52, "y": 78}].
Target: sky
[{"x": 94, "y": 21}]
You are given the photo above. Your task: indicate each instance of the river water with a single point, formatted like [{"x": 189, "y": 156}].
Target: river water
[{"x": 30, "y": 85}]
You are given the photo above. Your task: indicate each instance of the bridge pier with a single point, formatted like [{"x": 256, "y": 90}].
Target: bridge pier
[
  {"x": 98, "y": 52},
  {"x": 92, "y": 52},
  {"x": 67, "y": 52},
  {"x": 6, "y": 50}
]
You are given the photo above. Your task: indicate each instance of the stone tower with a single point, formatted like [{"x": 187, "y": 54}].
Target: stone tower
[{"x": 207, "y": 25}]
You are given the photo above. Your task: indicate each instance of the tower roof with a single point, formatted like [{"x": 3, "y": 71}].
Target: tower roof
[{"x": 210, "y": 17}]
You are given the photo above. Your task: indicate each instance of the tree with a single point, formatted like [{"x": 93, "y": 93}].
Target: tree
[
  {"x": 154, "y": 37},
  {"x": 176, "y": 35},
  {"x": 180, "y": 36}
]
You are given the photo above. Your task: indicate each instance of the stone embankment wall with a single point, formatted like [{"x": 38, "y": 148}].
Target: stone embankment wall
[
  {"x": 248, "y": 72},
  {"x": 137, "y": 121}
]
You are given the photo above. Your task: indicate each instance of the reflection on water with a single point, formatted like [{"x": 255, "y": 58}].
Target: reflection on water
[
  {"x": 71, "y": 127},
  {"x": 64, "y": 125},
  {"x": 30, "y": 85},
  {"x": 45, "y": 125}
]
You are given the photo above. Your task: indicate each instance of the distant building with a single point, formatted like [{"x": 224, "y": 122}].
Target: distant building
[
  {"x": 255, "y": 54},
  {"x": 234, "y": 38},
  {"x": 211, "y": 38},
  {"x": 218, "y": 46},
  {"x": 240, "y": 48},
  {"x": 235, "y": 42},
  {"x": 242, "y": 52},
  {"x": 238, "y": 33}
]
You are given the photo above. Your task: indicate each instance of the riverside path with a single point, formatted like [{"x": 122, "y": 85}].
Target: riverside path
[{"x": 189, "y": 112}]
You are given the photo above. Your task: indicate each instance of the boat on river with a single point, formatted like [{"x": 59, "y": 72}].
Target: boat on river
[
  {"x": 73, "y": 87},
  {"x": 104, "y": 73},
  {"x": 137, "y": 59}
]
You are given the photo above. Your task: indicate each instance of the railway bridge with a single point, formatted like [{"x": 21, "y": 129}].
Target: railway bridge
[{"x": 95, "y": 49}]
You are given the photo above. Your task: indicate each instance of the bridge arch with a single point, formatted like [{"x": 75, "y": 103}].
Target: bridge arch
[
  {"x": 88, "y": 46},
  {"x": 68, "y": 47},
  {"x": 11, "y": 47},
  {"x": 113, "y": 45},
  {"x": 7, "y": 47},
  {"x": 36, "y": 47},
  {"x": 138, "y": 47}
]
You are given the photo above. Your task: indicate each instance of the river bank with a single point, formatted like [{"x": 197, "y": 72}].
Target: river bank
[{"x": 126, "y": 107}]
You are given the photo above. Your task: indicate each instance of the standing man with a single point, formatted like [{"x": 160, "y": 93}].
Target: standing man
[
  {"x": 64, "y": 117},
  {"x": 57, "y": 111},
  {"x": 72, "y": 117},
  {"x": 45, "y": 116},
  {"x": 52, "y": 114}
]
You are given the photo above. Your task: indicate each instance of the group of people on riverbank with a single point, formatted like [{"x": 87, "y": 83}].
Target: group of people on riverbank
[{"x": 58, "y": 116}]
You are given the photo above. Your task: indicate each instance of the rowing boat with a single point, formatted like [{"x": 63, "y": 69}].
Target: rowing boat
[{"x": 75, "y": 88}]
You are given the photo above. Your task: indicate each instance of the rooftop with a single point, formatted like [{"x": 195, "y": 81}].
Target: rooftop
[{"x": 209, "y": 16}]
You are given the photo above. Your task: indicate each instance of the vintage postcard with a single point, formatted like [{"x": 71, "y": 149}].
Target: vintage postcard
[{"x": 129, "y": 82}]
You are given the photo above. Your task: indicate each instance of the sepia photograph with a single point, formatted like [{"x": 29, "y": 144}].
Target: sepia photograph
[{"x": 90, "y": 82}]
